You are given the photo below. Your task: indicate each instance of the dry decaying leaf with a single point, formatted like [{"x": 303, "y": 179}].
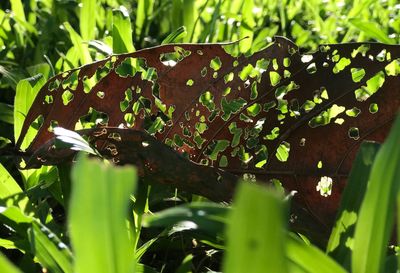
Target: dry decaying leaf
[{"x": 275, "y": 114}]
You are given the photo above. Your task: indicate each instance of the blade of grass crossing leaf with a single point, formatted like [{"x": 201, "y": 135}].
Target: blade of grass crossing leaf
[
  {"x": 98, "y": 211},
  {"x": 256, "y": 232},
  {"x": 6, "y": 266},
  {"x": 87, "y": 20},
  {"x": 307, "y": 258},
  {"x": 50, "y": 251},
  {"x": 343, "y": 231},
  {"x": 375, "y": 221}
]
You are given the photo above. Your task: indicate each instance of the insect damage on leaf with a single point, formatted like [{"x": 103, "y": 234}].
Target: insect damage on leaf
[{"x": 275, "y": 114}]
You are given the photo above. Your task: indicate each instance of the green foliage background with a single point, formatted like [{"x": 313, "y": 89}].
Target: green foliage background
[{"x": 40, "y": 228}]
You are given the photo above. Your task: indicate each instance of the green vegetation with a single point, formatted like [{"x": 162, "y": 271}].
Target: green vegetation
[{"x": 95, "y": 217}]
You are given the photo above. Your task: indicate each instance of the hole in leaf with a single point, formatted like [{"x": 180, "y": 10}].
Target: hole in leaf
[
  {"x": 354, "y": 112},
  {"x": 311, "y": 68},
  {"x": 354, "y": 133},
  {"x": 357, "y": 74},
  {"x": 282, "y": 153},
  {"x": 67, "y": 97},
  {"x": 274, "y": 77},
  {"x": 373, "y": 108},
  {"x": 372, "y": 87},
  {"x": 273, "y": 135},
  {"x": 215, "y": 63}
]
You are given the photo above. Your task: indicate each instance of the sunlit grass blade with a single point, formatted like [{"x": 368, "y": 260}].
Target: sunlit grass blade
[
  {"x": 6, "y": 266},
  {"x": 144, "y": 11},
  {"x": 339, "y": 246},
  {"x": 309, "y": 259},
  {"x": 9, "y": 189},
  {"x": 81, "y": 47},
  {"x": 50, "y": 251},
  {"x": 375, "y": 222},
  {"x": 175, "y": 36},
  {"x": 98, "y": 212},
  {"x": 122, "y": 31},
  {"x": 256, "y": 232},
  {"x": 189, "y": 16},
  {"x": 87, "y": 19},
  {"x": 26, "y": 92},
  {"x": 372, "y": 30}
]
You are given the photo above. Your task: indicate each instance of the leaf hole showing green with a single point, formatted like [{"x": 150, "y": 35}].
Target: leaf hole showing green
[
  {"x": 92, "y": 119},
  {"x": 215, "y": 75},
  {"x": 357, "y": 74},
  {"x": 373, "y": 108},
  {"x": 341, "y": 64},
  {"x": 261, "y": 157},
  {"x": 178, "y": 141},
  {"x": 275, "y": 64},
  {"x": 282, "y": 153},
  {"x": 199, "y": 52},
  {"x": 100, "y": 94},
  {"x": 48, "y": 99},
  {"x": 223, "y": 162},
  {"x": 129, "y": 119},
  {"x": 115, "y": 136},
  {"x": 247, "y": 71},
  {"x": 302, "y": 142},
  {"x": 354, "y": 112},
  {"x": 325, "y": 117},
  {"x": 325, "y": 64},
  {"x": 339, "y": 121},
  {"x": 201, "y": 127},
  {"x": 246, "y": 84},
  {"x": 157, "y": 126},
  {"x": 235, "y": 63},
  {"x": 294, "y": 108},
  {"x": 227, "y": 91},
  {"x": 71, "y": 82},
  {"x": 67, "y": 97},
  {"x": 381, "y": 56},
  {"x": 308, "y": 105},
  {"x": 54, "y": 84},
  {"x": 269, "y": 105},
  {"x": 319, "y": 165},
  {"x": 287, "y": 74},
  {"x": 231, "y": 107},
  {"x": 273, "y": 135},
  {"x": 207, "y": 100},
  {"x": 198, "y": 140},
  {"x": 215, "y": 148},
  {"x": 373, "y": 85},
  {"x": 274, "y": 77},
  {"x": 311, "y": 68},
  {"x": 203, "y": 72},
  {"x": 125, "y": 68},
  {"x": 228, "y": 77},
  {"x": 393, "y": 68},
  {"x": 362, "y": 49},
  {"x": 324, "y": 48},
  {"x": 354, "y": 133},
  {"x": 216, "y": 63},
  {"x": 53, "y": 124},
  {"x": 286, "y": 62}
]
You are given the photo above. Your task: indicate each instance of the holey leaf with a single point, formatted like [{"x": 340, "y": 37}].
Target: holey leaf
[{"x": 274, "y": 114}]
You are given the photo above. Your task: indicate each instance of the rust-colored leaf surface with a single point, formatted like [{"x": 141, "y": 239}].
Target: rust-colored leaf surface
[{"x": 275, "y": 114}]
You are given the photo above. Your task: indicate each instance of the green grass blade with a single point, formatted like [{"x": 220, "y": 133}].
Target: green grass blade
[
  {"x": 256, "y": 232},
  {"x": 87, "y": 20},
  {"x": 10, "y": 188},
  {"x": 247, "y": 26},
  {"x": 50, "y": 251},
  {"x": 98, "y": 211},
  {"x": 81, "y": 47},
  {"x": 144, "y": 11},
  {"x": 6, "y": 113},
  {"x": 375, "y": 222},
  {"x": 307, "y": 258},
  {"x": 175, "y": 36},
  {"x": 189, "y": 16},
  {"x": 372, "y": 30},
  {"x": 122, "y": 31},
  {"x": 343, "y": 232},
  {"x": 26, "y": 92},
  {"x": 6, "y": 266}
]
